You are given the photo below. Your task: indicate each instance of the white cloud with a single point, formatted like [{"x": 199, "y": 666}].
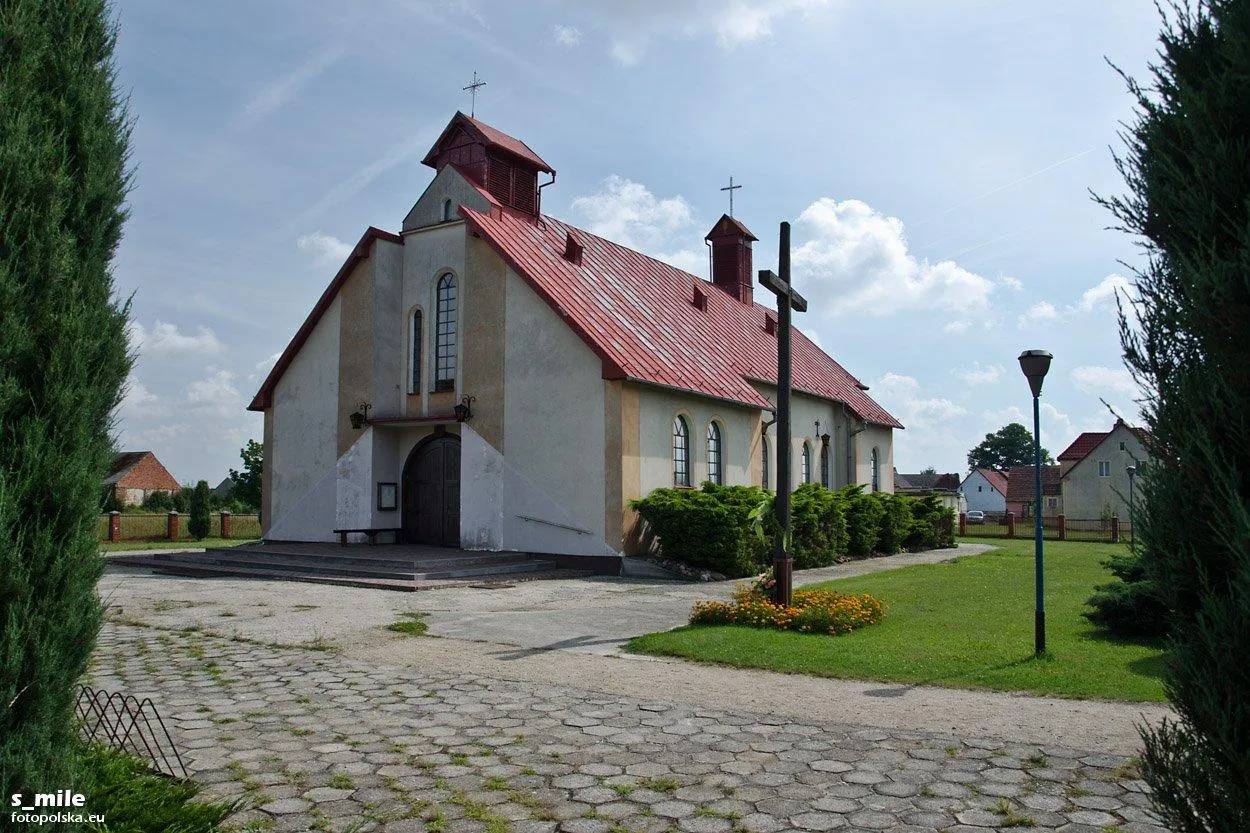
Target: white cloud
[
  {"x": 858, "y": 259},
  {"x": 1014, "y": 284},
  {"x": 216, "y": 394},
  {"x": 625, "y": 212},
  {"x": 165, "y": 337},
  {"x": 326, "y": 248},
  {"x": 633, "y": 26},
  {"x": 956, "y": 327},
  {"x": 1003, "y": 416},
  {"x": 978, "y": 375},
  {"x": 1105, "y": 293},
  {"x": 903, "y": 397},
  {"x": 137, "y": 401},
  {"x": 566, "y": 35},
  {"x": 1041, "y": 311},
  {"x": 1102, "y": 381}
]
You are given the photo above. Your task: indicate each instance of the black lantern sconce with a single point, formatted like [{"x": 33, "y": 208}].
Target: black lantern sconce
[
  {"x": 360, "y": 416},
  {"x": 464, "y": 411}
]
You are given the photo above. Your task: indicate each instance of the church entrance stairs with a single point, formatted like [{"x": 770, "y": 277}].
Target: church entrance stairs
[{"x": 405, "y": 567}]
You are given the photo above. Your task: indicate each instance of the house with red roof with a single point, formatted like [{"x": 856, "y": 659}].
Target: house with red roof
[
  {"x": 1022, "y": 491},
  {"x": 135, "y": 475},
  {"x": 1096, "y": 471},
  {"x": 985, "y": 489},
  {"x": 490, "y": 377}
]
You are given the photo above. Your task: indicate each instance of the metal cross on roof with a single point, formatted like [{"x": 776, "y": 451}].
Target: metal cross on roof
[
  {"x": 731, "y": 188},
  {"x": 472, "y": 88}
]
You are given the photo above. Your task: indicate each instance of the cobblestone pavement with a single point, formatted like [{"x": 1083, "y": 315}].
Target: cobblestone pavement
[{"x": 313, "y": 741}]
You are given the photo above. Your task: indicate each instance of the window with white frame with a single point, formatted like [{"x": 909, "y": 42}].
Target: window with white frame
[
  {"x": 681, "y": 452},
  {"x": 1104, "y": 468},
  {"x": 807, "y": 462},
  {"x": 445, "y": 335},
  {"x": 715, "y": 465}
]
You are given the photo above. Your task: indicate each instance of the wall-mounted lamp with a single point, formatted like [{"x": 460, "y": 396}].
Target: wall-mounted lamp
[
  {"x": 360, "y": 416},
  {"x": 464, "y": 411}
]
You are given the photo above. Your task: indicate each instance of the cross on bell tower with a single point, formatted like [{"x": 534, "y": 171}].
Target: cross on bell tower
[
  {"x": 472, "y": 90},
  {"x": 731, "y": 188}
]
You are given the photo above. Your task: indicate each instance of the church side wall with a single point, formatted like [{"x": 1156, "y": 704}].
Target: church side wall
[
  {"x": 302, "y": 450},
  {"x": 805, "y": 410},
  {"x": 427, "y": 255},
  {"x": 355, "y": 359},
  {"x": 882, "y": 439},
  {"x": 554, "y": 407},
  {"x": 659, "y": 407}
]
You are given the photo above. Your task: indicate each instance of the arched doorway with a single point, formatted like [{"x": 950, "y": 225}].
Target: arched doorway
[{"x": 432, "y": 492}]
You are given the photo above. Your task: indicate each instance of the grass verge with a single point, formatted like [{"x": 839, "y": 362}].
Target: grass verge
[
  {"x": 964, "y": 624},
  {"x": 133, "y": 799},
  {"x": 181, "y": 544}
]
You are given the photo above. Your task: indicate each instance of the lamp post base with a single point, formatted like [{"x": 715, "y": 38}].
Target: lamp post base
[
  {"x": 1039, "y": 633},
  {"x": 783, "y": 580}
]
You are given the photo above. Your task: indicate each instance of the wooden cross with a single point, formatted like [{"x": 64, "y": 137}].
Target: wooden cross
[
  {"x": 472, "y": 88},
  {"x": 731, "y": 188}
]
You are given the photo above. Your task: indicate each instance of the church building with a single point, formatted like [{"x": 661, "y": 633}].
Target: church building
[{"x": 492, "y": 378}]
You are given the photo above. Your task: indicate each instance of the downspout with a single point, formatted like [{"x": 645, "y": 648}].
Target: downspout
[
  {"x": 538, "y": 212},
  {"x": 851, "y": 432}
]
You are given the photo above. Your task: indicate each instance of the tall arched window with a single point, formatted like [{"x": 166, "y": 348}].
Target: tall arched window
[
  {"x": 715, "y": 466},
  {"x": 807, "y": 462},
  {"x": 417, "y": 334},
  {"x": 876, "y": 471},
  {"x": 824, "y": 463},
  {"x": 681, "y": 452},
  {"x": 764, "y": 462},
  {"x": 445, "y": 335}
]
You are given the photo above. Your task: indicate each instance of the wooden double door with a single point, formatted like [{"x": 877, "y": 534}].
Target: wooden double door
[{"x": 431, "y": 489}]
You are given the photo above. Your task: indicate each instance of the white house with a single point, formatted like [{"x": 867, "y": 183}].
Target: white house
[
  {"x": 587, "y": 375},
  {"x": 986, "y": 490}
]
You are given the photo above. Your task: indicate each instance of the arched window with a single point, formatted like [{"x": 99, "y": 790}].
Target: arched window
[
  {"x": 824, "y": 464},
  {"x": 445, "y": 335},
  {"x": 416, "y": 334},
  {"x": 446, "y": 210},
  {"x": 764, "y": 462},
  {"x": 681, "y": 452},
  {"x": 807, "y": 462},
  {"x": 715, "y": 466},
  {"x": 876, "y": 471}
]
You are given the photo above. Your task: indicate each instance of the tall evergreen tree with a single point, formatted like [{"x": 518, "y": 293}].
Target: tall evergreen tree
[
  {"x": 200, "y": 522},
  {"x": 63, "y": 360},
  {"x": 1187, "y": 169}
]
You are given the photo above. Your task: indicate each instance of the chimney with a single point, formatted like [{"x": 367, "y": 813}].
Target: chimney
[{"x": 731, "y": 258}]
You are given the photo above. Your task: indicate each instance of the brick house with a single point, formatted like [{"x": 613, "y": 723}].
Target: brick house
[
  {"x": 1020, "y": 491},
  {"x": 136, "y": 474}
]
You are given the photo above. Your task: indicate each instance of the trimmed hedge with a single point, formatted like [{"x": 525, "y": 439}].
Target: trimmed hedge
[{"x": 712, "y": 528}]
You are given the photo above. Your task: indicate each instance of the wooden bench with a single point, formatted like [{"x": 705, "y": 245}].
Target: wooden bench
[{"x": 371, "y": 534}]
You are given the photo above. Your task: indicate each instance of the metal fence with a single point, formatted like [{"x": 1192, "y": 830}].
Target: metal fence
[
  {"x": 143, "y": 526},
  {"x": 1056, "y": 528}
]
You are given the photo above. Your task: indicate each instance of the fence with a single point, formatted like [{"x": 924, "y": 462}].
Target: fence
[
  {"x": 1055, "y": 528},
  {"x": 172, "y": 526}
]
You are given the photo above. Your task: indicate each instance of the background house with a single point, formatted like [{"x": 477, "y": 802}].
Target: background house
[
  {"x": 945, "y": 487},
  {"x": 1095, "y": 471},
  {"x": 1020, "y": 491},
  {"x": 136, "y": 474},
  {"x": 985, "y": 490}
]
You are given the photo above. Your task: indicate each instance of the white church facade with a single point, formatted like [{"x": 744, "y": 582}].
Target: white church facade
[{"x": 585, "y": 375}]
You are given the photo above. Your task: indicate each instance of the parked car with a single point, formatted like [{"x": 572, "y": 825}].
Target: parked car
[{"x": 976, "y": 516}]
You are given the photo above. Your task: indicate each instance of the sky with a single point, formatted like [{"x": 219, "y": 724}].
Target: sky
[{"x": 937, "y": 161}]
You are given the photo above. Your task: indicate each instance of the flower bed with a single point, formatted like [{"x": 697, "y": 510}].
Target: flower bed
[{"x": 811, "y": 611}]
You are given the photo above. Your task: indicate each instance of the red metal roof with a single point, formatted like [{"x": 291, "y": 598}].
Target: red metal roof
[
  {"x": 1083, "y": 445},
  {"x": 492, "y": 137},
  {"x": 636, "y": 313},
  {"x": 1020, "y": 485}
]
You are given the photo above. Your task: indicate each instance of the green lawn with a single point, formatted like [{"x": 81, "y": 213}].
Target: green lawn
[
  {"x": 180, "y": 544},
  {"x": 967, "y": 624}
]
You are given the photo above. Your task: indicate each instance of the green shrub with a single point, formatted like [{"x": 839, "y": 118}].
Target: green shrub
[
  {"x": 818, "y": 526},
  {"x": 932, "y": 525},
  {"x": 895, "y": 522},
  {"x": 1132, "y": 606},
  {"x": 133, "y": 799},
  {"x": 707, "y": 529},
  {"x": 200, "y": 522},
  {"x": 863, "y": 521}
]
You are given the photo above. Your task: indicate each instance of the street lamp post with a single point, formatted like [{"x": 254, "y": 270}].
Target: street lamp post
[
  {"x": 1035, "y": 364},
  {"x": 1132, "y": 532}
]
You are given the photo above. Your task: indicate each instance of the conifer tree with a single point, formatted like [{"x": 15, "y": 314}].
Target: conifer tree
[
  {"x": 1188, "y": 174},
  {"x": 200, "y": 522},
  {"x": 63, "y": 360}
]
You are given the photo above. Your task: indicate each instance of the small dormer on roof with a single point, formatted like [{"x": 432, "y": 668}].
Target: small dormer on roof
[{"x": 503, "y": 165}]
